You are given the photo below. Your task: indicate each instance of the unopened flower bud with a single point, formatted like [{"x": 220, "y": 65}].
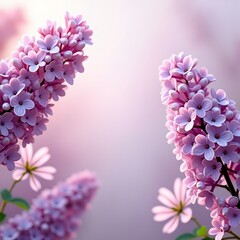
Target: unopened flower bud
[
  {"x": 59, "y": 29},
  {"x": 232, "y": 201},
  {"x": 203, "y": 82},
  {"x": 190, "y": 95},
  {"x": 5, "y": 141},
  {"x": 47, "y": 59},
  {"x": 201, "y": 91},
  {"x": 80, "y": 46},
  {"x": 173, "y": 94},
  {"x": 67, "y": 54},
  {"x": 189, "y": 76},
  {"x": 201, "y": 185},
  {"x": 64, "y": 41},
  {"x": 182, "y": 87},
  {"x": 6, "y": 106},
  {"x": 221, "y": 202},
  {"x": 229, "y": 114},
  {"x": 225, "y": 211},
  {"x": 5, "y": 97},
  {"x": 175, "y": 106},
  {"x": 72, "y": 23},
  {"x": 226, "y": 227},
  {"x": 17, "y": 63},
  {"x": 72, "y": 43},
  {"x": 36, "y": 85}
]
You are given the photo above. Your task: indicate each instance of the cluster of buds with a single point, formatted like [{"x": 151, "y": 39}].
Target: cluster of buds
[
  {"x": 35, "y": 75},
  {"x": 54, "y": 214},
  {"x": 204, "y": 126}
]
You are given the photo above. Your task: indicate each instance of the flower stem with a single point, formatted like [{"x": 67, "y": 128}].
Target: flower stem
[
  {"x": 196, "y": 221},
  {"x": 224, "y": 171},
  {"x": 225, "y": 238},
  {"x": 4, "y": 203},
  {"x": 235, "y": 235}
]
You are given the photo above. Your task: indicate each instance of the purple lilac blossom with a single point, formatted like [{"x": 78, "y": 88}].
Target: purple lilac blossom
[
  {"x": 200, "y": 104},
  {"x": 35, "y": 77},
  {"x": 219, "y": 135},
  {"x": 186, "y": 118},
  {"x": 212, "y": 169},
  {"x": 209, "y": 148},
  {"x": 215, "y": 118},
  {"x": 55, "y": 214},
  {"x": 203, "y": 146}
]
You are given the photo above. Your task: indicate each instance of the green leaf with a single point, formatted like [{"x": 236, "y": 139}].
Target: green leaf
[
  {"x": 21, "y": 203},
  {"x": 208, "y": 238},
  {"x": 186, "y": 236},
  {"x": 6, "y": 195},
  {"x": 2, "y": 217},
  {"x": 202, "y": 231}
]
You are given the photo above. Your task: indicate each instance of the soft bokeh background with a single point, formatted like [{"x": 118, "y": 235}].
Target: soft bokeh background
[{"x": 112, "y": 121}]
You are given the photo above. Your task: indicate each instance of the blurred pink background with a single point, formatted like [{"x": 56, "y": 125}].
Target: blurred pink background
[{"x": 112, "y": 121}]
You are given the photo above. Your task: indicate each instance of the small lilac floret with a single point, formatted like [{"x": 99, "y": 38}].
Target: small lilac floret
[
  {"x": 34, "y": 60},
  {"x": 188, "y": 143},
  {"x": 164, "y": 70},
  {"x": 9, "y": 157},
  {"x": 21, "y": 103},
  {"x": 53, "y": 70},
  {"x": 233, "y": 215},
  {"x": 209, "y": 198},
  {"x": 185, "y": 66},
  {"x": 203, "y": 147},
  {"x": 234, "y": 127},
  {"x": 13, "y": 88},
  {"x": 228, "y": 153},
  {"x": 215, "y": 118},
  {"x": 200, "y": 104},
  {"x": 220, "y": 96},
  {"x": 212, "y": 169},
  {"x": 218, "y": 228},
  {"x": 219, "y": 135},
  {"x": 6, "y": 123},
  {"x": 186, "y": 118},
  {"x": 49, "y": 44}
]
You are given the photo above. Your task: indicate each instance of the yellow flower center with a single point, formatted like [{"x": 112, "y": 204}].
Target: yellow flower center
[
  {"x": 29, "y": 168},
  {"x": 179, "y": 208}
]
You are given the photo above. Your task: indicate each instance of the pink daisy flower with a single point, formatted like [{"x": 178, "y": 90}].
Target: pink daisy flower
[
  {"x": 175, "y": 207},
  {"x": 32, "y": 166}
]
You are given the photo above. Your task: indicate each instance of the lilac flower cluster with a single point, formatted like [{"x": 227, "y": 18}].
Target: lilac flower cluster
[
  {"x": 54, "y": 214},
  {"x": 33, "y": 77},
  {"x": 205, "y": 129}
]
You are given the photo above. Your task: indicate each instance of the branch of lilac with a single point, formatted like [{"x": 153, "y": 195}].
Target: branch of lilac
[
  {"x": 204, "y": 126},
  {"x": 33, "y": 78},
  {"x": 30, "y": 81}
]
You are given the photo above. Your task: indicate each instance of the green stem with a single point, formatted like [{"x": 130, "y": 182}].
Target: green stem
[
  {"x": 196, "y": 221},
  {"x": 4, "y": 203}
]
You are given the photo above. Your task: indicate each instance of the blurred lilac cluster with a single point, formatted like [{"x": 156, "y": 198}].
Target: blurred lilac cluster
[
  {"x": 34, "y": 76},
  {"x": 54, "y": 214},
  {"x": 205, "y": 128}
]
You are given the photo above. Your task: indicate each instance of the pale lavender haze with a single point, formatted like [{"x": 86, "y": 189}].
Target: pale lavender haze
[{"x": 112, "y": 120}]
